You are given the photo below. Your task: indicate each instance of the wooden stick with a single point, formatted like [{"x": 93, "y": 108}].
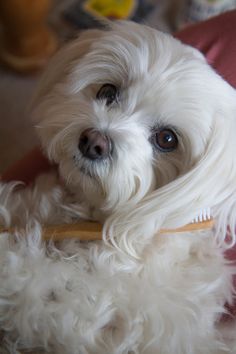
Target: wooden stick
[
  {"x": 91, "y": 231},
  {"x": 196, "y": 226},
  {"x": 84, "y": 231}
]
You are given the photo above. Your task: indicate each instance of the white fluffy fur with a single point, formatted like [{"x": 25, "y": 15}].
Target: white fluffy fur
[{"x": 135, "y": 291}]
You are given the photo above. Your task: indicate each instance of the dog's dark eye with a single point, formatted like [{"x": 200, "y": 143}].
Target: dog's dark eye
[
  {"x": 109, "y": 93},
  {"x": 165, "y": 140}
]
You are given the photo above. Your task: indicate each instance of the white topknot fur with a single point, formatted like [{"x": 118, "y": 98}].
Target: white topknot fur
[{"x": 135, "y": 291}]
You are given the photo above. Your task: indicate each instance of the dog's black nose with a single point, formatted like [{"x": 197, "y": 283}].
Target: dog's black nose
[{"x": 94, "y": 145}]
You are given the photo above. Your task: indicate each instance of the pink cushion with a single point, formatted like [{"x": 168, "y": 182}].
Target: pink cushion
[{"x": 216, "y": 38}]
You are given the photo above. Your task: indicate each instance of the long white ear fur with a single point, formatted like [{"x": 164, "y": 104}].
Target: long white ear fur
[{"x": 210, "y": 183}]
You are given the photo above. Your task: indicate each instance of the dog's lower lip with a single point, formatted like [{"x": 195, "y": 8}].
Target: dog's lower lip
[
  {"x": 85, "y": 171},
  {"x": 82, "y": 168}
]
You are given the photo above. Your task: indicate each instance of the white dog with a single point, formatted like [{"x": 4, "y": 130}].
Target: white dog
[{"x": 143, "y": 132}]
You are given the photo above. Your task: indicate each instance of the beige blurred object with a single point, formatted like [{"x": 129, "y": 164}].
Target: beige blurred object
[
  {"x": 182, "y": 13},
  {"x": 26, "y": 41},
  {"x": 201, "y": 10},
  {"x": 176, "y": 12}
]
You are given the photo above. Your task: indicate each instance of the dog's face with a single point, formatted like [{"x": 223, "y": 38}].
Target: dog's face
[{"x": 131, "y": 116}]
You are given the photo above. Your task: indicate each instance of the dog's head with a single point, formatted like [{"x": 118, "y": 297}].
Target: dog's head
[{"x": 142, "y": 126}]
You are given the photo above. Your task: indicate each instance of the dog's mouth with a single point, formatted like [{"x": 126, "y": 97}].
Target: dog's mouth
[
  {"x": 94, "y": 169},
  {"x": 85, "y": 171}
]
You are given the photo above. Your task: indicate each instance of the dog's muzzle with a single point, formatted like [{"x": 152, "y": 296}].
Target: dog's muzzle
[{"x": 94, "y": 145}]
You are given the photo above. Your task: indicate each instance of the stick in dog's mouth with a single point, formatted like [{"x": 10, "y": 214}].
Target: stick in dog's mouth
[{"x": 92, "y": 231}]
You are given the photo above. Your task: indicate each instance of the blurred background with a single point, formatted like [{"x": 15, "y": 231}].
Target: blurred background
[{"x": 32, "y": 30}]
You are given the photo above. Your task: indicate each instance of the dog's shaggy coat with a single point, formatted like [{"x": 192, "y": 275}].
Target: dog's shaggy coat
[{"x": 135, "y": 291}]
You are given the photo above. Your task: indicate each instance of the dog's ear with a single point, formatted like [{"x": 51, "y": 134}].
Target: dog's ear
[
  {"x": 223, "y": 172},
  {"x": 63, "y": 61},
  {"x": 211, "y": 182},
  {"x": 53, "y": 86}
]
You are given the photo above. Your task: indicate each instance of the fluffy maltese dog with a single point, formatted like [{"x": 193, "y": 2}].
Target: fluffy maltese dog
[{"x": 143, "y": 132}]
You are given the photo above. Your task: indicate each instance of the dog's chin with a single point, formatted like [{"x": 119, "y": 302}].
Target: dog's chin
[
  {"x": 86, "y": 172},
  {"x": 94, "y": 169},
  {"x": 85, "y": 180},
  {"x": 93, "y": 175}
]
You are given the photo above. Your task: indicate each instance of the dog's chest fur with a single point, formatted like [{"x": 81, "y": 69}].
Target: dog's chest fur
[{"x": 93, "y": 298}]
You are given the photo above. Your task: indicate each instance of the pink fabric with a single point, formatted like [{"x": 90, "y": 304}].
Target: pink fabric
[{"x": 216, "y": 39}]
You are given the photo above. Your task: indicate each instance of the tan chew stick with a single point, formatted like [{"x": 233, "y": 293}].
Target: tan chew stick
[
  {"x": 84, "y": 231},
  {"x": 91, "y": 231}
]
